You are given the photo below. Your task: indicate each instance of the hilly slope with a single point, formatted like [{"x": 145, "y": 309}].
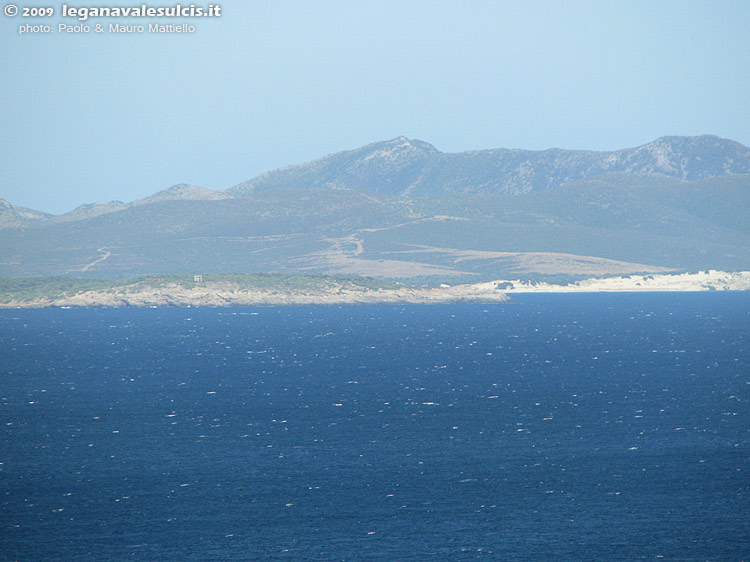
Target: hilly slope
[
  {"x": 404, "y": 167},
  {"x": 401, "y": 209},
  {"x": 12, "y": 216}
]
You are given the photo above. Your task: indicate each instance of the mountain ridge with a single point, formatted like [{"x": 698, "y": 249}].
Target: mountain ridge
[
  {"x": 15, "y": 216},
  {"x": 408, "y": 167},
  {"x": 401, "y": 209},
  {"x": 404, "y": 167}
]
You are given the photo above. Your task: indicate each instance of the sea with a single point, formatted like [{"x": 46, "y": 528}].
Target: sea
[{"x": 585, "y": 427}]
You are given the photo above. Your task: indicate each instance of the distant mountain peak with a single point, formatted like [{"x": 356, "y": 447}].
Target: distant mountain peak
[
  {"x": 397, "y": 153},
  {"x": 411, "y": 167},
  {"x": 405, "y": 167},
  {"x": 407, "y": 143},
  {"x": 688, "y": 158},
  {"x": 380, "y": 166},
  {"x": 182, "y": 191},
  {"x": 402, "y": 208},
  {"x": 12, "y": 216},
  {"x": 90, "y": 210}
]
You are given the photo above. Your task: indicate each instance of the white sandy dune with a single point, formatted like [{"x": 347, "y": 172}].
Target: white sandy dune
[{"x": 710, "y": 280}]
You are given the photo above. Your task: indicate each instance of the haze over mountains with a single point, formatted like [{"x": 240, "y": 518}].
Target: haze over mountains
[
  {"x": 403, "y": 167},
  {"x": 403, "y": 209}
]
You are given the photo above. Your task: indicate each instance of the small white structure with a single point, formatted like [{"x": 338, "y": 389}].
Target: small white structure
[{"x": 198, "y": 278}]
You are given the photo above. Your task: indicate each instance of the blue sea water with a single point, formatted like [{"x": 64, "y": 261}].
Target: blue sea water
[{"x": 558, "y": 428}]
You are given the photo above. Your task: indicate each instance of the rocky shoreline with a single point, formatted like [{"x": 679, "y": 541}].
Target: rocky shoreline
[{"x": 229, "y": 294}]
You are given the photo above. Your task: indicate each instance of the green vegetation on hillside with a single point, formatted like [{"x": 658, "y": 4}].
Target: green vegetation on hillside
[
  {"x": 26, "y": 288},
  {"x": 403, "y": 210},
  {"x": 30, "y": 288}
]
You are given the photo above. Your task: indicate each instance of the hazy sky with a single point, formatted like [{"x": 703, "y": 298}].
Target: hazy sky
[{"x": 101, "y": 116}]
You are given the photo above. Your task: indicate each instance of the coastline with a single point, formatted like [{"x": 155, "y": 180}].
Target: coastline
[
  {"x": 223, "y": 294},
  {"x": 709, "y": 280}
]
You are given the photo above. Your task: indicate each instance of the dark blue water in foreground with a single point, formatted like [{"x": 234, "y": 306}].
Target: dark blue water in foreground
[{"x": 559, "y": 428}]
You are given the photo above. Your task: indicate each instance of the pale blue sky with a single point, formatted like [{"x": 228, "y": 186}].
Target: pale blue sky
[{"x": 99, "y": 117}]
